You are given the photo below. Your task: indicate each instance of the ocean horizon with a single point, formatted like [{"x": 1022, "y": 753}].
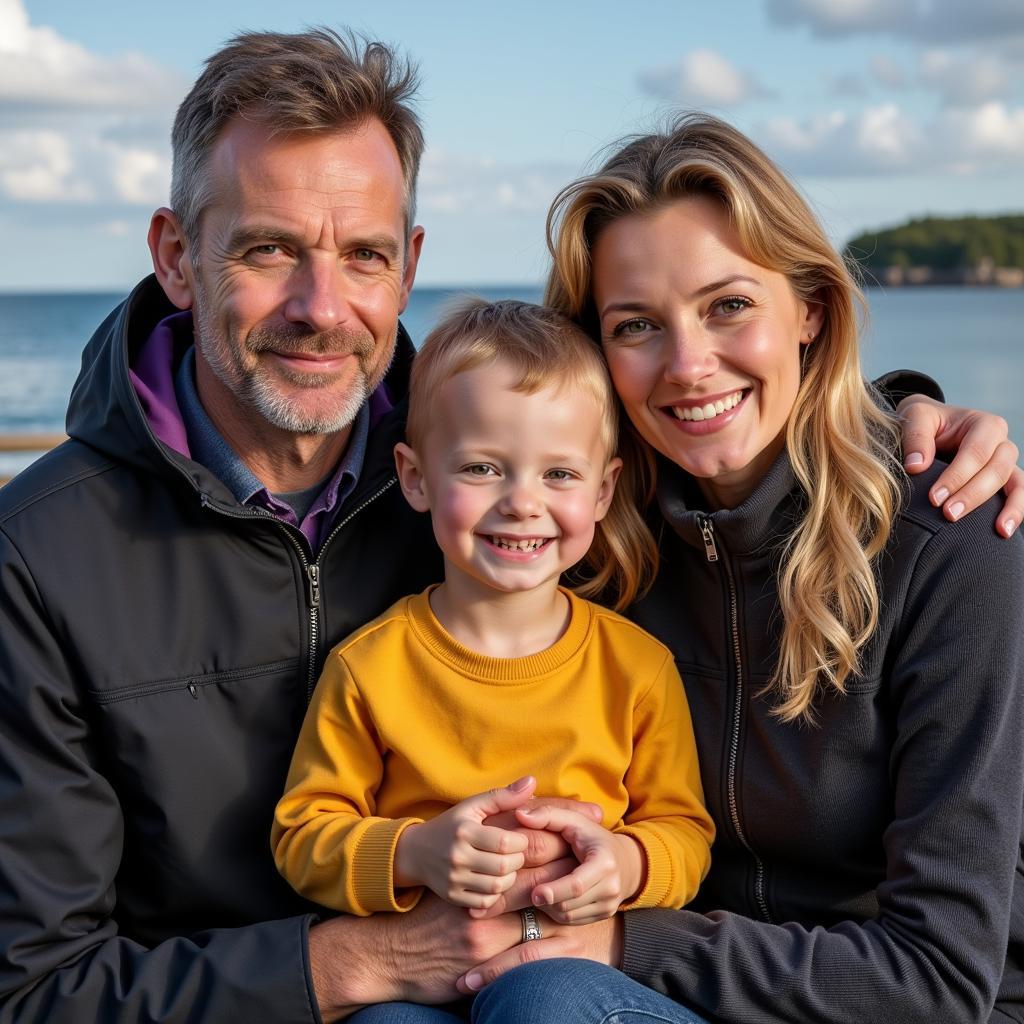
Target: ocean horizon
[{"x": 971, "y": 340}]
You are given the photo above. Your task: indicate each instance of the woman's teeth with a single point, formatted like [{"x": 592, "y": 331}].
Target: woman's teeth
[{"x": 709, "y": 411}]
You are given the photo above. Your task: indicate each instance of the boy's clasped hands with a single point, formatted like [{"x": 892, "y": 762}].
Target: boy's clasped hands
[{"x": 470, "y": 860}]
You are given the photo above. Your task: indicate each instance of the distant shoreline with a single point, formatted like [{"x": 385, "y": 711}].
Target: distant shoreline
[{"x": 982, "y": 276}]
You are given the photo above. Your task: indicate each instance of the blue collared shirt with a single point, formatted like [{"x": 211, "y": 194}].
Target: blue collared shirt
[{"x": 208, "y": 447}]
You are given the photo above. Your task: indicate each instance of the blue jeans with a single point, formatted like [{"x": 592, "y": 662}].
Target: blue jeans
[{"x": 562, "y": 991}]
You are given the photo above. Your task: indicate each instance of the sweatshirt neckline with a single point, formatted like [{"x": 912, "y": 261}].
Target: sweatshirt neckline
[{"x": 485, "y": 668}]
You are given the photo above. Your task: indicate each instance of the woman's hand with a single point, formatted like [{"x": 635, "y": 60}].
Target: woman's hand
[
  {"x": 983, "y": 458},
  {"x": 458, "y": 857},
  {"x": 610, "y": 870},
  {"x": 601, "y": 941}
]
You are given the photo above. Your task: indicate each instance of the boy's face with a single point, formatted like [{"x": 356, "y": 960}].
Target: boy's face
[{"x": 514, "y": 482}]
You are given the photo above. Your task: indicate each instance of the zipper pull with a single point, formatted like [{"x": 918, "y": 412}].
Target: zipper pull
[
  {"x": 707, "y": 531},
  {"x": 313, "y": 572}
]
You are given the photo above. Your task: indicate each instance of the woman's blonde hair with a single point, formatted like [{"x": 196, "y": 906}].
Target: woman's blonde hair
[
  {"x": 544, "y": 349},
  {"x": 841, "y": 444}
]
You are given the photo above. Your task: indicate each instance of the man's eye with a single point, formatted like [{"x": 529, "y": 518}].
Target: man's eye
[
  {"x": 367, "y": 255},
  {"x": 270, "y": 249}
]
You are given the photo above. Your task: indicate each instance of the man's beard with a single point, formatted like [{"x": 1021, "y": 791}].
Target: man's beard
[{"x": 255, "y": 388}]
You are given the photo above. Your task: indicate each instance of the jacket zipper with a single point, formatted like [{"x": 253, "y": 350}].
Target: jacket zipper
[
  {"x": 311, "y": 569},
  {"x": 707, "y": 530}
]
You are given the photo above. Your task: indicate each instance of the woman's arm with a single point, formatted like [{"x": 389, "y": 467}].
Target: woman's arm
[{"x": 983, "y": 458}]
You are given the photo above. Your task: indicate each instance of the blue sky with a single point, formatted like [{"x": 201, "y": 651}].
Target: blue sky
[{"x": 881, "y": 109}]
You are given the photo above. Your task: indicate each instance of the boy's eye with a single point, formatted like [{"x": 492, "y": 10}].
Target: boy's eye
[
  {"x": 478, "y": 469},
  {"x": 559, "y": 474}
]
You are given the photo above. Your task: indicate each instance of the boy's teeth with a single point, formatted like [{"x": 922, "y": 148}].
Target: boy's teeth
[
  {"x": 709, "y": 411},
  {"x": 530, "y": 544}
]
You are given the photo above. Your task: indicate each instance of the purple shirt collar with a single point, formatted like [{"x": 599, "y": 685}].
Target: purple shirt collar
[{"x": 175, "y": 414}]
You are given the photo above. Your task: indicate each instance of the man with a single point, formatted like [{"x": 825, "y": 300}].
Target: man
[{"x": 173, "y": 576}]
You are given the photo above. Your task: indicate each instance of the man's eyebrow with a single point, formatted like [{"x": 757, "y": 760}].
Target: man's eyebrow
[{"x": 246, "y": 237}]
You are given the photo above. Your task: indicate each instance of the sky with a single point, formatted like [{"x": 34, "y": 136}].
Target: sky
[{"x": 880, "y": 109}]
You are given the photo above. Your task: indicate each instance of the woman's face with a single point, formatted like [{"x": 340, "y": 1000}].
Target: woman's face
[{"x": 703, "y": 345}]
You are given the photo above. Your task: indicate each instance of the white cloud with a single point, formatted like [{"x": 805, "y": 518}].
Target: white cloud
[
  {"x": 926, "y": 20},
  {"x": 703, "y": 79},
  {"x": 888, "y": 72},
  {"x": 36, "y": 166},
  {"x": 886, "y": 140},
  {"x": 965, "y": 79},
  {"x": 40, "y": 69},
  {"x": 452, "y": 183},
  {"x": 76, "y": 127}
]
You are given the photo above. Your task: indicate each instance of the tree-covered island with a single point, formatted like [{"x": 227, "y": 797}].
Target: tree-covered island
[{"x": 944, "y": 250}]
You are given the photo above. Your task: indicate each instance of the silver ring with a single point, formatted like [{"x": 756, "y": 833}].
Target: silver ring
[{"x": 531, "y": 926}]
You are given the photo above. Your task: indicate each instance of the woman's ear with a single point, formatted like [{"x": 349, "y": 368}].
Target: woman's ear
[
  {"x": 410, "y": 477},
  {"x": 813, "y": 320},
  {"x": 172, "y": 263}
]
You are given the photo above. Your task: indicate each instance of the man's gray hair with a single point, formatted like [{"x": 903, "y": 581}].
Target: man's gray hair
[{"x": 315, "y": 81}]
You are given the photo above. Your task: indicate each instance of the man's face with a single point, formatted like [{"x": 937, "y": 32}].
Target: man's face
[{"x": 299, "y": 274}]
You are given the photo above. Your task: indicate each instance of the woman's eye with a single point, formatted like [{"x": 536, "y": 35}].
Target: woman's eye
[
  {"x": 631, "y": 328},
  {"x": 731, "y": 305}
]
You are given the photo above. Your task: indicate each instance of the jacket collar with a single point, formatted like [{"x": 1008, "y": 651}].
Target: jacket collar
[{"x": 766, "y": 518}]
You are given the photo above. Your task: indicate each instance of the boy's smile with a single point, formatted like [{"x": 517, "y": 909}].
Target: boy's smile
[{"x": 514, "y": 481}]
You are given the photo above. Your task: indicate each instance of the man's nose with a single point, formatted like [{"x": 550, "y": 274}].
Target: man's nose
[{"x": 318, "y": 296}]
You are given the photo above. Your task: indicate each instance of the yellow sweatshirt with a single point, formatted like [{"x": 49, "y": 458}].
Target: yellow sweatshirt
[{"x": 405, "y": 722}]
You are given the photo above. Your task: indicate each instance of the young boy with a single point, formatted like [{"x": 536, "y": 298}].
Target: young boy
[{"x": 498, "y": 673}]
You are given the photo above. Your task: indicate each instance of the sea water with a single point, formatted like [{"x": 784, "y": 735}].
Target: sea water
[{"x": 970, "y": 339}]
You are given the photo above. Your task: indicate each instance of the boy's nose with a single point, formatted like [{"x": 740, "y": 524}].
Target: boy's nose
[{"x": 520, "y": 502}]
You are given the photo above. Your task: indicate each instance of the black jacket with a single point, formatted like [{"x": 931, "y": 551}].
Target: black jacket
[
  {"x": 866, "y": 869},
  {"x": 158, "y": 646}
]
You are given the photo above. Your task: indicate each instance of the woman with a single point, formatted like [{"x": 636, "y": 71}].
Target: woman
[{"x": 853, "y": 661}]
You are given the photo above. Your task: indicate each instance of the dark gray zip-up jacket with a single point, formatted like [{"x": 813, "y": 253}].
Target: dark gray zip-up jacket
[
  {"x": 158, "y": 644},
  {"x": 867, "y": 869}
]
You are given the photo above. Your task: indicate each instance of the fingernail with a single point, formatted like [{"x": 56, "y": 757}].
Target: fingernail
[
  {"x": 538, "y": 900},
  {"x": 520, "y": 784},
  {"x": 913, "y": 459},
  {"x": 1009, "y": 526},
  {"x": 528, "y": 811},
  {"x": 939, "y": 496},
  {"x": 956, "y": 510},
  {"x": 474, "y": 981}
]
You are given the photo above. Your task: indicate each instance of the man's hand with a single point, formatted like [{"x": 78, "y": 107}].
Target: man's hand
[
  {"x": 415, "y": 957},
  {"x": 610, "y": 870},
  {"x": 601, "y": 942},
  {"x": 983, "y": 458},
  {"x": 457, "y": 856}
]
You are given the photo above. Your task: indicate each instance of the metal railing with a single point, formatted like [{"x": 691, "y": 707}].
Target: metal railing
[{"x": 28, "y": 443}]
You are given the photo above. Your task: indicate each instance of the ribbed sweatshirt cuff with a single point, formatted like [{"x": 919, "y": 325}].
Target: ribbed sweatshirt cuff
[
  {"x": 371, "y": 883},
  {"x": 660, "y": 884}
]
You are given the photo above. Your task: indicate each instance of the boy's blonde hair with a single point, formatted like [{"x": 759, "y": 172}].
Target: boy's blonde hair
[{"x": 544, "y": 348}]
